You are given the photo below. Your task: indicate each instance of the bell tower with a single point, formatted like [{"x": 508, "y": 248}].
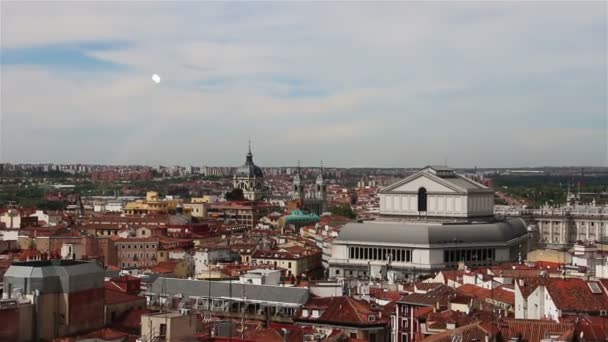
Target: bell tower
[
  {"x": 298, "y": 187},
  {"x": 320, "y": 187}
]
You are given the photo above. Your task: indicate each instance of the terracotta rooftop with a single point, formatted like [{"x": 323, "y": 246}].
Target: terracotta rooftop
[
  {"x": 439, "y": 320},
  {"x": 533, "y": 330},
  {"x": 385, "y": 295},
  {"x": 470, "y": 332},
  {"x": 343, "y": 311},
  {"x": 164, "y": 267},
  {"x": 439, "y": 295},
  {"x": 497, "y": 294},
  {"x": 116, "y": 297},
  {"x": 575, "y": 295}
]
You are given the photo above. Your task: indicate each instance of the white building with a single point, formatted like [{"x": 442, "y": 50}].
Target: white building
[
  {"x": 554, "y": 298},
  {"x": 72, "y": 251},
  {"x": 261, "y": 277},
  {"x": 50, "y": 219},
  {"x": 208, "y": 257},
  {"x": 437, "y": 192},
  {"x": 429, "y": 221},
  {"x": 569, "y": 224},
  {"x": 11, "y": 219}
]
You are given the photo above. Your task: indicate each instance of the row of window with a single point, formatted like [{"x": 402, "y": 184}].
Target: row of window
[
  {"x": 372, "y": 253},
  {"x": 578, "y": 223},
  {"x": 137, "y": 246},
  {"x": 141, "y": 255},
  {"x": 478, "y": 254}
]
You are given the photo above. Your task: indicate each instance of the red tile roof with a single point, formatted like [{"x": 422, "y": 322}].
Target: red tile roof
[
  {"x": 106, "y": 334},
  {"x": 115, "y": 297},
  {"x": 592, "y": 328},
  {"x": 497, "y": 294},
  {"x": 343, "y": 311},
  {"x": 533, "y": 330},
  {"x": 385, "y": 295},
  {"x": 441, "y": 295},
  {"x": 273, "y": 335},
  {"x": 574, "y": 295},
  {"x": 470, "y": 332},
  {"x": 165, "y": 267},
  {"x": 439, "y": 320}
]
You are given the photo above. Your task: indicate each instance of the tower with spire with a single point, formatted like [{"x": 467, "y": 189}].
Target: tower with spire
[
  {"x": 313, "y": 200},
  {"x": 250, "y": 179},
  {"x": 320, "y": 187},
  {"x": 298, "y": 186}
]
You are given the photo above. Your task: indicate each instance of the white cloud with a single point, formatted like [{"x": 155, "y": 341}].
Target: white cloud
[{"x": 376, "y": 70}]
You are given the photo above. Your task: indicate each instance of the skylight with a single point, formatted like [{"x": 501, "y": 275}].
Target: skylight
[{"x": 594, "y": 287}]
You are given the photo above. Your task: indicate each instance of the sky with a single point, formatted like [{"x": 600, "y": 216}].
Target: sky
[{"x": 355, "y": 84}]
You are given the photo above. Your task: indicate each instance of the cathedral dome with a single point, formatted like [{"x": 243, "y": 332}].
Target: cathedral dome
[{"x": 249, "y": 169}]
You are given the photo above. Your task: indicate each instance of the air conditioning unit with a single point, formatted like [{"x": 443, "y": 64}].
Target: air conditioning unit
[
  {"x": 604, "y": 313},
  {"x": 184, "y": 312}
]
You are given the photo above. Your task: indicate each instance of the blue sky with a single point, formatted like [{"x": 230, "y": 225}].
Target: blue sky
[{"x": 491, "y": 84}]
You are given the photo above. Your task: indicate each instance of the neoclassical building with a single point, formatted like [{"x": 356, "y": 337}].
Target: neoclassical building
[
  {"x": 432, "y": 220},
  {"x": 250, "y": 178},
  {"x": 437, "y": 192}
]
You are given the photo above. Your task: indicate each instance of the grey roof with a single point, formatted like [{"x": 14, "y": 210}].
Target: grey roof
[
  {"x": 249, "y": 169},
  {"x": 431, "y": 233},
  {"x": 200, "y": 288},
  {"x": 54, "y": 276},
  {"x": 455, "y": 181}
]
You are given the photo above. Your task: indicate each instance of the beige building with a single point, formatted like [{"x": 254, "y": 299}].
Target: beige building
[
  {"x": 169, "y": 326},
  {"x": 296, "y": 260},
  {"x": 153, "y": 204},
  {"x": 196, "y": 209}
]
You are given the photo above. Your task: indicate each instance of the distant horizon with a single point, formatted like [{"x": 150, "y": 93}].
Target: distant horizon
[{"x": 314, "y": 166}]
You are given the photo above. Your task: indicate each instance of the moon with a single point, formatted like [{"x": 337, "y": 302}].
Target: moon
[{"x": 156, "y": 78}]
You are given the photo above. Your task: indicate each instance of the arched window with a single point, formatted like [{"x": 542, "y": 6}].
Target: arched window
[{"x": 422, "y": 199}]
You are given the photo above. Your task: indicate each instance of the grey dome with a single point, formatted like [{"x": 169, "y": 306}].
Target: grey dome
[
  {"x": 499, "y": 232},
  {"x": 249, "y": 169}
]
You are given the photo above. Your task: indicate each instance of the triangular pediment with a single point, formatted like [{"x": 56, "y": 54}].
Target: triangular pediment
[{"x": 430, "y": 182}]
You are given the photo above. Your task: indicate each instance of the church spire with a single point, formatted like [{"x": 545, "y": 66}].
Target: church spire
[
  {"x": 298, "y": 187},
  {"x": 249, "y": 157},
  {"x": 320, "y": 175}
]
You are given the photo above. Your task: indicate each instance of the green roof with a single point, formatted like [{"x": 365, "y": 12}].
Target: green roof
[{"x": 300, "y": 216}]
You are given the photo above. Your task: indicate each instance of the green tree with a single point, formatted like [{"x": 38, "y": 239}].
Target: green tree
[
  {"x": 235, "y": 195},
  {"x": 343, "y": 210}
]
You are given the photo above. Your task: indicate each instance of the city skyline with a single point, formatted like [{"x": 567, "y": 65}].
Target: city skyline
[{"x": 356, "y": 85}]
